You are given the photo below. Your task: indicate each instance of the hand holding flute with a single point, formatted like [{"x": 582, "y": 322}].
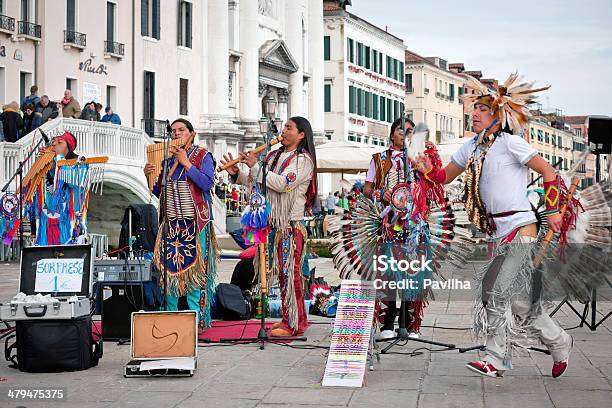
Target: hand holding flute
[{"x": 229, "y": 163}]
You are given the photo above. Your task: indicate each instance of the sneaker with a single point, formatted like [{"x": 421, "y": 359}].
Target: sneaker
[
  {"x": 484, "y": 368},
  {"x": 559, "y": 367},
  {"x": 386, "y": 335},
  {"x": 413, "y": 335}
]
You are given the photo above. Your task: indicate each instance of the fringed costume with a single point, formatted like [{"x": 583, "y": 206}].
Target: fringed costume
[
  {"x": 512, "y": 289},
  {"x": 289, "y": 182},
  {"x": 191, "y": 253},
  {"x": 417, "y": 223}
]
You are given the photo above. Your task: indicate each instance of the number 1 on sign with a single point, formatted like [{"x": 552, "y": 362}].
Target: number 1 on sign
[{"x": 55, "y": 284}]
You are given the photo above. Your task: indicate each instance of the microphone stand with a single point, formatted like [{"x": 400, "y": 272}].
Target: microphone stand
[
  {"x": 164, "y": 207},
  {"x": 19, "y": 173}
]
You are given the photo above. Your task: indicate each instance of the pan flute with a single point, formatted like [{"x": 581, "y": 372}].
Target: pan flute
[
  {"x": 37, "y": 172},
  {"x": 155, "y": 156}
]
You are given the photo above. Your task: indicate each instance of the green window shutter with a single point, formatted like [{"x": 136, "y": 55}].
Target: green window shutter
[
  {"x": 367, "y": 57},
  {"x": 380, "y": 63},
  {"x": 375, "y": 107},
  {"x": 352, "y": 99},
  {"x": 326, "y": 48},
  {"x": 383, "y": 108},
  {"x": 390, "y": 111},
  {"x": 369, "y": 104},
  {"x": 350, "y": 51},
  {"x": 327, "y": 91},
  {"x": 362, "y": 112}
]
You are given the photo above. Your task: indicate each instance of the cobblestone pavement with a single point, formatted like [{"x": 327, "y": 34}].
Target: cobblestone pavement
[{"x": 281, "y": 376}]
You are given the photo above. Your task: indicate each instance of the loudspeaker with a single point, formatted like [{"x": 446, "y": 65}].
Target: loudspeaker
[
  {"x": 600, "y": 133},
  {"x": 119, "y": 300}
]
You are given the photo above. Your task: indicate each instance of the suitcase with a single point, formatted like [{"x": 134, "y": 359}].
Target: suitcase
[
  {"x": 68, "y": 309},
  {"x": 45, "y": 346}
]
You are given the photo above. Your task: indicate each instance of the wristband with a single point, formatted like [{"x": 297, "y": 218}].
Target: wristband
[{"x": 552, "y": 196}]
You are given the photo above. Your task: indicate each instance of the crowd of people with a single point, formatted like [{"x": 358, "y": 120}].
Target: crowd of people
[{"x": 18, "y": 120}]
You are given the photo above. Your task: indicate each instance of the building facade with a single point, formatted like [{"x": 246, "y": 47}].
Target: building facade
[
  {"x": 211, "y": 61},
  {"x": 364, "y": 78}
]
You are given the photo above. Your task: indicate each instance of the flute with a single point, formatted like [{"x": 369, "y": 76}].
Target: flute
[{"x": 257, "y": 150}]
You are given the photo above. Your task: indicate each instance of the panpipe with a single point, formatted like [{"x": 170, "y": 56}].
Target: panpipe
[
  {"x": 37, "y": 172},
  {"x": 257, "y": 150},
  {"x": 83, "y": 160},
  {"x": 155, "y": 156}
]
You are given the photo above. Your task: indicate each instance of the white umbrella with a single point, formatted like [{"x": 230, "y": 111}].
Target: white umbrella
[{"x": 344, "y": 157}]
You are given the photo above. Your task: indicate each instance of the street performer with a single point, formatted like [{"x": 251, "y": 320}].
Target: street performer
[
  {"x": 291, "y": 188},
  {"x": 190, "y": 265},
  {"x": 403, "y": 198},
  {"x": 497, "y": 162}
]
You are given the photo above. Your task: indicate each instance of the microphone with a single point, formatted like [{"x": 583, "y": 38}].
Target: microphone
[
  {"x": 168, "y": 128},
  {"x": 44, "y": 136}
]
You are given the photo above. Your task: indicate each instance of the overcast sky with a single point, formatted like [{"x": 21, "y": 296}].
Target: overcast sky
[{"x": 564, "y": 43}]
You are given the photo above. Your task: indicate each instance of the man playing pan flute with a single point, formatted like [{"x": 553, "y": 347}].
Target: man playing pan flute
[{"x": 188, "y": 263}]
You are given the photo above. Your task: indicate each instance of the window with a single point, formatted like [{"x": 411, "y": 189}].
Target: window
[
  {"x": 71, "y": 15},
  {"x": 380, "y": 63},
  {"x": 409, "y": 82},
  {"x": 466, "y": 120},
  {"x": 375, "y": 107},
  {"x": 540, "y": 136},
  {"x": 25, "y": 82},
  {"x": 531, "y": 133},
  {"x": 327, "y": 92},
  {"x": 400, "y": 72},
  {"x": 367, "y": 57},
  {"x": 25, "y": 10},
  {"x": 546, "y": 137},
  {"x": 350, "y": 50},
  {"x": 360, "y": 54},
  {"x": 111, "y": 97},
  {"x": 352, "y": 103},
  {"x": 388, "y": 66},
  {"x": 183, "y": 96},
  {"x": 560, "y": 141},
  {"x": 368, "y": 104},
  {"x": 383, "y": 109},
  {"x": 451, "y": 92},
  {"x": 390, "y": 118},
  {"x": 554, "y": 139},
  {"x": 2, "y": 84},
  {"x": 149, "y": 95},
  {"x": 362, "y": 103},
  {"x": 358, "y": 96},
  {"x": 578, "y": 132},
  {"x": 149, "y": 18},
  {"x": 374, "y": 60},
  {"x": 184, "y": 28},
  {"x": 110, "y": 21},
  {"x": 326, "y": 48},
  {"x": 565, "y": 164}
]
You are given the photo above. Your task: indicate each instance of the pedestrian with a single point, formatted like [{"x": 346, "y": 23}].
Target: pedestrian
[
  {"x": 98, "y": 109},
  {"x": 46, "y": 109},
  {"x": 70, "y": 106},
  {"x": 330, "y": 204},
  {"x": 111, "y": 116},
  {"x": 12, "y": 123},
  {"x": 31, "y": 120},
  {"x": 33, "y": 98}
]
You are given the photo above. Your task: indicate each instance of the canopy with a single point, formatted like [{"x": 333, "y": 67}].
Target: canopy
[{"x": 344, "y": 157}]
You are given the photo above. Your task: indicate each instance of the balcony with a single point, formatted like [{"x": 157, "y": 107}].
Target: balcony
[
  {"x": 155, "y": 128},
  {"x": 29, "y": 30},
  {"x": 7, "y": 24},
  {"x": 74, "y": 39},
  {"x": 114, "y": 49}
]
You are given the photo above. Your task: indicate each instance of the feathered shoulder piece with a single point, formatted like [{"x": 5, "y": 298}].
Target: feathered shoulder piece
[{"x": 509, "y": 101}]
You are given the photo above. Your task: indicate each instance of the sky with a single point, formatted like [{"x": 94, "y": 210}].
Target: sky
[{"x": 563, "y": 43}]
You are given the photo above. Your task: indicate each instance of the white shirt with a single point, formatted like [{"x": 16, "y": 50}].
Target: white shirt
[{"x": 503, "y": 183}]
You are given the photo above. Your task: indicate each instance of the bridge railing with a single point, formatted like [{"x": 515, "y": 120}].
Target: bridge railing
[{"x": 119, "y": 143}]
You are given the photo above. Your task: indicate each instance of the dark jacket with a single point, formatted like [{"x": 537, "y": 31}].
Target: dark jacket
[
  {"x": 31, "y": 122},
  {"x": 11, "y": 125},
  {"x": 89, "y": 114},
  {"x": 49, "y": 112},
  {"x": 30, "y": 99}
]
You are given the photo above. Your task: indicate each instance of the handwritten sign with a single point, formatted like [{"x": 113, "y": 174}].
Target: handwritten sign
[
  {"x": 348, "y": 351},
  {"x": 59, "y": 275},
  {"x": 92, "y": 92}
]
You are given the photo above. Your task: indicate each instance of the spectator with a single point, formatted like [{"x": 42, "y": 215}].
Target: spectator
[
  {"x": 111, "y": 117},
  {"x": 70, "y": 106},
  {"x": 11, "y": 122},
  {"x": 33, "y": 98},
  {"x": 316, "y": 205},
  {"x": 31, "y": 120},
  {"x": 98, "y": 108},
  {"x": 89, "y": 112},
  {"x": 235, "y": 198},
  {"x": 46, "y": 110},
  {"x": 330, "y": 204}
]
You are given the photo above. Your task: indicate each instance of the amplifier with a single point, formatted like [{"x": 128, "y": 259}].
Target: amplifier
[{"x": 122, "y": 270}]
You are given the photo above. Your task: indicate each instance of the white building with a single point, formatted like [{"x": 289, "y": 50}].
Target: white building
[
  {"x": 433, "y": 97},
  {"x": 210, "y": 61},
  {"x": 364, "y": 81}
]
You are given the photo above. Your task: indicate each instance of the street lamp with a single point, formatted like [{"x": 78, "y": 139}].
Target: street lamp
[{"x": 270, "y": 106}]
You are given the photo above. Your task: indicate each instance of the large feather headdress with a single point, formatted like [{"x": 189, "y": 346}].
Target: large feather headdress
[{"x": 509, "y": 101}]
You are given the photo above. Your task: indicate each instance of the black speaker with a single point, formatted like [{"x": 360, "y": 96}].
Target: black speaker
[
  {"x": 600, "y": 133},
  {"x": 119, "y": 301}
]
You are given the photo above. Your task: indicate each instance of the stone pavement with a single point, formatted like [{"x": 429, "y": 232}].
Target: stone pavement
[{"x": 282, "y": 376}]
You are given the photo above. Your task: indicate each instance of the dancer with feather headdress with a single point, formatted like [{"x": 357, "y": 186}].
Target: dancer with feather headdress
[
  {"x": 512, "y": 288},
  {"x": 403, "y": 214}
]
